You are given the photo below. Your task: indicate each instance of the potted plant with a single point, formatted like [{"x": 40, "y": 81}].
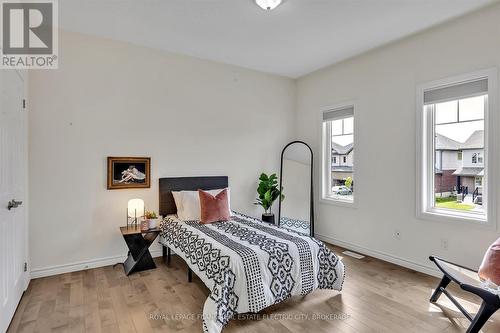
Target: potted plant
[
  {"x": 268, "y": 192},
  {"x": 152, "y": 219}
]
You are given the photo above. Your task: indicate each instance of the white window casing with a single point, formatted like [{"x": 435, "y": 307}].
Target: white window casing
[
  {"x": 328, "y": 115},
  {"x": 458, "y": 87}
]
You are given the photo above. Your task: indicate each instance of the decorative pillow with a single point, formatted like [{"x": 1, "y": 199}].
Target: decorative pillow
[
  {"x": 214, "y": 208},
  {"x": 490, "y": 267},
  {"x": 191, "y": 204},
  {"x": 178, "y": 201}
]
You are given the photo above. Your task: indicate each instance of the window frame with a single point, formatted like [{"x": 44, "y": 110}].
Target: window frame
[
  {"x": 326, "y": 147},
  {"x": 474, "y": 158},
  {"x": 425, "y": 161}
]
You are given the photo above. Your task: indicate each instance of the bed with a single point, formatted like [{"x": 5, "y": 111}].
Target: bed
[{"x": 246, "y": 264}]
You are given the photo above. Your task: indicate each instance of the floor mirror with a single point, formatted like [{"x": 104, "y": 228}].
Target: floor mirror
[{"x": 296, "y": 210}]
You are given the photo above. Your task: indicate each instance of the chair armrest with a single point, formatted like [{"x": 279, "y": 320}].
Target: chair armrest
[
  {"x": 433, "y": 258},
  {"x": 459, "y": 274},
  {"x": 467, "y": 279}
]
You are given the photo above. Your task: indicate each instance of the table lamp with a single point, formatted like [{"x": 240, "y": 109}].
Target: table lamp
[{"x": 135, "y": 210}]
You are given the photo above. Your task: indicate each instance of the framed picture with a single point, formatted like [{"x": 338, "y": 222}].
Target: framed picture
[{"x": 129, "y": 172}]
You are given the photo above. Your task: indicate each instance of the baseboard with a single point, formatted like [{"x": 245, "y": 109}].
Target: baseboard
[
  {"x": 106, "y": 261},
  {"x": 83, "y": 265},
  {"x": 381, "y": 255}
]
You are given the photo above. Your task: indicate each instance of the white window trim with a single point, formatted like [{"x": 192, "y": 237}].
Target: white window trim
[
  {"x": 424, "y": 144},
  {"x": 325, "y": 147}
]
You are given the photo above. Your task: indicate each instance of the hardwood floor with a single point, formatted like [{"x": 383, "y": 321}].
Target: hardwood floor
[{"x": 377, "y": 297}]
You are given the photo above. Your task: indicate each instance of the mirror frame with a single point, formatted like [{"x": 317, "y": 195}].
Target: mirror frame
[{"x": 311, "y": 202}]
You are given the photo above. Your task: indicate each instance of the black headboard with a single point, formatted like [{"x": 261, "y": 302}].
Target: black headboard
[{"x": 167, "y": 185}]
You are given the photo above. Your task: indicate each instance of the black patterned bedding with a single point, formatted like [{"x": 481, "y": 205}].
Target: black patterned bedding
[{"x": 249, "y": 265}]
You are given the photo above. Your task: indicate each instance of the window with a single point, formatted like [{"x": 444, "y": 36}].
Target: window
[
  {"x": 455, "y": 119},
  {"x": 338, "y": 138},
  {"x": 477, "y": 158},
  {"x": 478, "y": 181}
]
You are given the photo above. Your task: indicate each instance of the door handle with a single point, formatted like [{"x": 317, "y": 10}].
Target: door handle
[{"x": 14, "y": 204}]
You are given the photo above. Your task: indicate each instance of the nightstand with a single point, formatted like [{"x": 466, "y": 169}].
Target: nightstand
[{"x": 138, "y": 242}]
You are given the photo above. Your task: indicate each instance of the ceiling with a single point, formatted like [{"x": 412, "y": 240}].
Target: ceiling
[{"x": 298, "y": 37}]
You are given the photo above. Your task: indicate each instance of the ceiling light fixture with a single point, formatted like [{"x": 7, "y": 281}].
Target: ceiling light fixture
[{"x": 268, "y": 4}]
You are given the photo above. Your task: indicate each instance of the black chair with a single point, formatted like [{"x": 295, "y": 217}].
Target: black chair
[{"x": 467, "y": 280}]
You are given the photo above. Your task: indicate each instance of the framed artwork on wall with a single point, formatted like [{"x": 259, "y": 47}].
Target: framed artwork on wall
[{"x": 129, "y": 172}]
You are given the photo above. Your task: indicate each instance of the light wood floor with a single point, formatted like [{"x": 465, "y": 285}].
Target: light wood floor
[{"x": 377, "y": 297}]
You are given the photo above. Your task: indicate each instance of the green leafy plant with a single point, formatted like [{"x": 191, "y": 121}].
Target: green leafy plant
[
  {"x": 150, "y": 215},
  {"x": 348, "y": 182},
  {"x": 268, "y": 191}
]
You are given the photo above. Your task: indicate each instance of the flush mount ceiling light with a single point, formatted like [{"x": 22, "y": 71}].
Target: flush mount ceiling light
[{"x": 268, "y": 4}]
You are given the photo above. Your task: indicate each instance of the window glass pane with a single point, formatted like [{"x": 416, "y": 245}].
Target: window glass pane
[
  {"x": 343, "y": 140},
  {"x": 479, "y": 181},
  {"x": 446, "y": 112},
  {"x": 459, "y": 151},
  {"x": 471, "y": 108},
  {"x": 349, "y": 125},
  {"x": 342, "y": 168},
  {"x": 337, "y": 127}
]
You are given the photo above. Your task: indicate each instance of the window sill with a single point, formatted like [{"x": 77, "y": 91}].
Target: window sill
[
  {"x": 442, "y": 215},
  {"x": 339, "y": 202}
]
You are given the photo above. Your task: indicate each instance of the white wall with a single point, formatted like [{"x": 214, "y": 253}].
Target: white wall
[
  {"x": 383, "y": 84},
  {"x": 450, "y": 160},
  {"x": 340, "y": 159},
  {"x": 467, "y": 158},
  {"x": 192, "y": 117}
]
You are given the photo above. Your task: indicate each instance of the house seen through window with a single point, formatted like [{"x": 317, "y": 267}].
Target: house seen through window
[{"x": 459, "y": 150}]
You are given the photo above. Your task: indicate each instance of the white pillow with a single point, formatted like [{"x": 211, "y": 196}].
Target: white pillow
[
  {"x": 178, "y": 200},
  {"x": 191, "y": 209}
]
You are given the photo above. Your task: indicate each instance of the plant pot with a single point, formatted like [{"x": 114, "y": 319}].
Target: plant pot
[
  {"x": 144, "y": 225},
  {"x": 153, "y": 223},
  {"x": 269, "y": 218}
]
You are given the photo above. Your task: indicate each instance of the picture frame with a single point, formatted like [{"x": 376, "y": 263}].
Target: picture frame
[{"x": 129, "y": 172}]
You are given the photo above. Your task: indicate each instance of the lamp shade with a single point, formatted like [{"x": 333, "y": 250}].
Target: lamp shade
[{"x": 135, "y": 207}]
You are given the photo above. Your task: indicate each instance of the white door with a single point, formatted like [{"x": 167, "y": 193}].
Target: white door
[{"x": 13, "y": 184}]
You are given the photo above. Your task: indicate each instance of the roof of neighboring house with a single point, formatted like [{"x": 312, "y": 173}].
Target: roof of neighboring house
[
  {"x": 342, "y": 150},
  {"x": 445, "y": 143},
  {"x": 468, "y": 171},
  {"x": 475, "y": 141}
]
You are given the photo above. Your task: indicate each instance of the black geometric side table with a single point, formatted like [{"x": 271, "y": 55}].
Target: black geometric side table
[{"x": 138, "y": 242}]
